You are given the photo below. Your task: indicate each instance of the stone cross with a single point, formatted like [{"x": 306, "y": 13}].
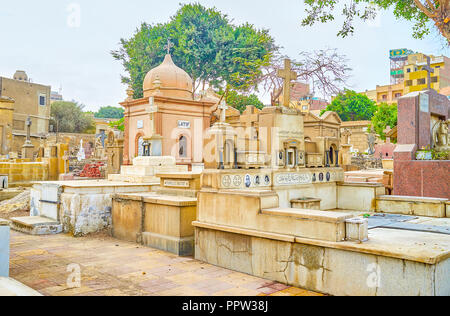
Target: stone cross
[
  {"x": 169, "y": 46},
  {"x": 223, "y": 107},
  {"x": 288, "y": 75},
  {"x": 28, "y": 124},
  {"x": 429, "y": 71}
]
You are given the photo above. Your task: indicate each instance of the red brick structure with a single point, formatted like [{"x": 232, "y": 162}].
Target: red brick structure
[{"x": 416, "y": 114}]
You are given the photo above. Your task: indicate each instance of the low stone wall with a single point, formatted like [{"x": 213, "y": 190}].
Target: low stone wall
[
  {"x": 322, "y": 267},
  {"x": 422, "y": 178},
  {"x": 408, "y": 205},
  {"x": 19, "y": 173},
  {"x": 4, "y": 248}
]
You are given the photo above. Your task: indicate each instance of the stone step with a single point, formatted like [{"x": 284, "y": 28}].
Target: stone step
[
  {"x": 11, "y": 287},
  {"x": 36, "y": 225}
]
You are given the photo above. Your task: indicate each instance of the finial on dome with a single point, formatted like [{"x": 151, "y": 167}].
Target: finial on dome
[{"x": 169, "y": 46}]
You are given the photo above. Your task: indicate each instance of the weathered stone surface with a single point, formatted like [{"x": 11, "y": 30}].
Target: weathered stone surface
[{"x": 323, "y": 268}]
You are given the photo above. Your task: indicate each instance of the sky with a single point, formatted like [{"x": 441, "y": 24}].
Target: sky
[{"x": 67, "y": 44}]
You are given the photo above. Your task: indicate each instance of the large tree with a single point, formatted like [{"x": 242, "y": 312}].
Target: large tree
[
  {"x": 68, "y": 117},
  {"x": 325, "y": 70},
  {"x": 211, "y": 49},
  {"x": 421, "y": 12},
  {"x": 386, "y": 115},
  {"x": 352, "y": 106},
  {"x": 109, "y": 112}
]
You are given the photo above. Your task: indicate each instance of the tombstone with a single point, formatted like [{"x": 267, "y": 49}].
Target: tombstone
[{"x": 420, "y": 116}]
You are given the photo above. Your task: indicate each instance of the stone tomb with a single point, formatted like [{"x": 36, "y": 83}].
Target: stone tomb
[
  {"x": 419, "y": 114},
  {"x": 75, "y": 207},
  {"x": 144, "y": 169},
  {"x": 162, "y": 219}
]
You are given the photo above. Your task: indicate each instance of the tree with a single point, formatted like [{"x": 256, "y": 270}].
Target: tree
[
  {"x": 325, "y": 70},
  {"x": 352, "y": 106},
  {"x": 207, "y": 46},
  {"x": 420, "y": 12},
  {"x": 119, "y": 124},
  {"x": 386, "y": 115},
  {"x": 109, "y": 112},
  {"x": 241, "y": 101},
  {"x": 68, "y": 117}
]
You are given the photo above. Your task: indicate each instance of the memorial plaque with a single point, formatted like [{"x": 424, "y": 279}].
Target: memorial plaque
[
  {"x": 140, "y": 124},
  {"x": 177, "y": 184},
  {"x": 184, "y": 124},
  {"x": 424, "y": 102}
]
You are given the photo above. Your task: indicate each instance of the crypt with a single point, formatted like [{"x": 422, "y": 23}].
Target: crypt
[{"x": 168, "y": 119}]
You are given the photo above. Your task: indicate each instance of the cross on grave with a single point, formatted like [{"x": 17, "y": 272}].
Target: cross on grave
[
  {"x": 429, "y": 71},
  {"x": 223, "y": 107},
  {"x": 169, "y": 46},
  {"x": 288, "y": 75}
]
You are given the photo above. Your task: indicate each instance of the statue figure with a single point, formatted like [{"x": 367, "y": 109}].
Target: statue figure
[
  {"x": 371, "y": 140},
  {"x": 81, "y": 154},
  {"x": 440, "y": 136}
]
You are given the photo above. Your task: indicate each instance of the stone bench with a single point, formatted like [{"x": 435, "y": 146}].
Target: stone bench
[
  {"x": 4, "y": 248},
  {"x": 411, "y": 205}
]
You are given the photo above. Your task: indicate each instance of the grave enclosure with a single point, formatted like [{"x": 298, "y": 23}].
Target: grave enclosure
[{"x": 267, "y": 196}]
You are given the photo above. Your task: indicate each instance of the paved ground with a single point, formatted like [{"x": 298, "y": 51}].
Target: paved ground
[{"x": 112, "y": 267}]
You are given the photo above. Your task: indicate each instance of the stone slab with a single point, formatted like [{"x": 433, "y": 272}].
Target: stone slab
[
  {"x": 313, "y": 215},
  {"x": 431, "y": 207},
  {"x": 36, "y": 225},
  {"x": 11, "y": 287}
]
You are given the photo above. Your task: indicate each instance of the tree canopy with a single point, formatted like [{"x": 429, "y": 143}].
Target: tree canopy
[
  {"x": 386, "y": 115},
  {"x": 109, "y": 112},
  {"x": 352, "y": 106},
  {"x": 241, "y": 101},
  {"x": 421, "y": 12},
  {"x": 206, "y": 45},
  {"x": 68, "y": 117}
]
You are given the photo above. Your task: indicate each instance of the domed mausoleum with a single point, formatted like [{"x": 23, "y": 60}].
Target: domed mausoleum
[
  {"x": 167, "y": 117},
  {"x": 169, "y": 79}
]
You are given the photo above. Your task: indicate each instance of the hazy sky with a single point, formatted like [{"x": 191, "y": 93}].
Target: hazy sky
[{"x": 45, "y": 39}]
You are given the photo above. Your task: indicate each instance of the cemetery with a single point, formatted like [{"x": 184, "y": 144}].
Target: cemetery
[{"x": 282, "y": 194}]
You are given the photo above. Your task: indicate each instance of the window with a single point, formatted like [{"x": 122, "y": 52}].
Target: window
[
  {"x": 408, "y": 83},
  {"x": 408, "y": 70},
  {"x": 182, "y": 147},
  {"x": 384, "y": 97},
  {"x": 42, "y": 100},
  {"x": 398, "y": 95},
  {"x": 434, "y": 79},
  {"x": 421, "y": 81}
]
